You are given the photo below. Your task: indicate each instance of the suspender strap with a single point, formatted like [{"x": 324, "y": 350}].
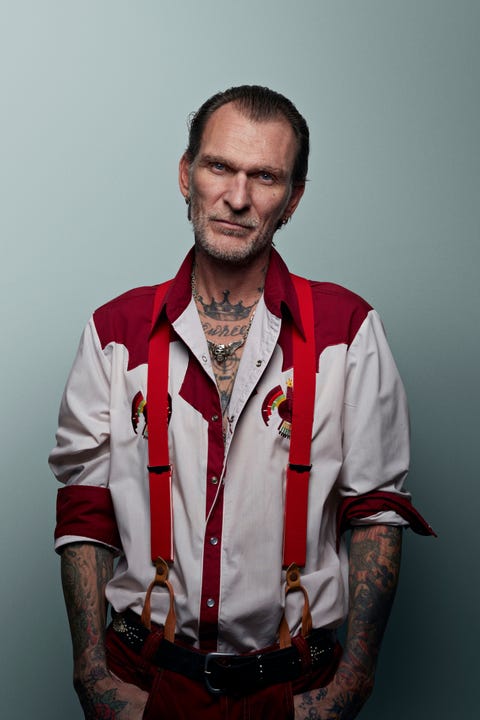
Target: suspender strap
[
  {"x": 298, "y": 470},
  {"x": 159, "y": 468}
]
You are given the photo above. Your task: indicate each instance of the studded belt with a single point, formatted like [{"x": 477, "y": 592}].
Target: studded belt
[{"x": 227, "y": 673}]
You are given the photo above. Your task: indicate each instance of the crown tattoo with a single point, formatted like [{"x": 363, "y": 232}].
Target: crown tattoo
[{"x": 224, "y": 310}]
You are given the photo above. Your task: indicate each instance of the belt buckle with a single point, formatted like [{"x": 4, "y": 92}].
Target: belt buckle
[{"x": 209, "y": 657}]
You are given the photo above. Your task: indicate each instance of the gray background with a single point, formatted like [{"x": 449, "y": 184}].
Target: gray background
[{"x": 94, "y": 99}]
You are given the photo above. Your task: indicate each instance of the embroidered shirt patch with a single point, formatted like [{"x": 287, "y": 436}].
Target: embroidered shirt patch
[
  {"x": 277, "y": 402},
  {"x": 139, "y": 413}
]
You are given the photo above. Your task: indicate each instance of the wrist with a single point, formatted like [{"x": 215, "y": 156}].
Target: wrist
[
  {"x": 354, "y": 678},
  {"x": 89, "y": 673}
]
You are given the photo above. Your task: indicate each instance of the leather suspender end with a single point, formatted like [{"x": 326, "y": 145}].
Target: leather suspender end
[
  {"x": 299, "y": 468},
  {"x": 159, "y": 469}
]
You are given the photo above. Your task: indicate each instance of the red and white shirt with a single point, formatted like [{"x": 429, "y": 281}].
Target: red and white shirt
[{"x": 228, "y": 495}]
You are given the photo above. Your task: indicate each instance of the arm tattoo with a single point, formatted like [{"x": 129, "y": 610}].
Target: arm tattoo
[
  {"x": 86, "y": 569},
  {"x": 97, "y": 703},
  {"x": 373, "y": 574}
]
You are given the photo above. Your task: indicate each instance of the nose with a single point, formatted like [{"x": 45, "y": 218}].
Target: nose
[{"x": 238, "y": 192}]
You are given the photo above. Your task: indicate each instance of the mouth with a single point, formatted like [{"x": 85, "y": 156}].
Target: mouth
[{"x": 233, "y": 226}]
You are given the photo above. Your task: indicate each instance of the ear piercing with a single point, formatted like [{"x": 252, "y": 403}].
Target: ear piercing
[{"x": 189, "y": 210}]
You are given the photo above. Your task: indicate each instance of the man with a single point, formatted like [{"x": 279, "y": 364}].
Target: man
[{"x": 243, "y": 341}]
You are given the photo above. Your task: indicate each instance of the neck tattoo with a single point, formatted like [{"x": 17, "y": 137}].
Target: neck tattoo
[{"x": 220, "y": 352}]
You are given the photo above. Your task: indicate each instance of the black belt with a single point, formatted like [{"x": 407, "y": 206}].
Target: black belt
[{"x": 227, "y": 673}]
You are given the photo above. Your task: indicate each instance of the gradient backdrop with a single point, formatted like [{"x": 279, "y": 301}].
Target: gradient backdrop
[{"x": 94, "y": 101}]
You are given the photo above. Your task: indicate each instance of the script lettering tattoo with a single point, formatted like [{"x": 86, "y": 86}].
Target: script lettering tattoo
[
  {"x": 373, "y": 574},
  {"x": 223, "y": 331}
]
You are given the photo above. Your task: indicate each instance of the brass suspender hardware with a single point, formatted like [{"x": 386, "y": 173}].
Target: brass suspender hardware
[
  {"x": 161, "y": 578},
  {"x": 293, "y": 583}
]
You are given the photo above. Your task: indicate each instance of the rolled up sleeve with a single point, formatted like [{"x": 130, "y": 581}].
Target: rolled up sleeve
[
  {"x": 376, "y": 447},
  {"x": 81, "y": 457}
]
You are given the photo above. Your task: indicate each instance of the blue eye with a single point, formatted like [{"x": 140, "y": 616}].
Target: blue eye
[
  {"x": 265, "y": 176},
  {"x": 218, "y": 166}
]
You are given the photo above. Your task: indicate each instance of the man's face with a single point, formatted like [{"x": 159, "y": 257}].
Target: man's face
[{"x": 240, "y": 184}]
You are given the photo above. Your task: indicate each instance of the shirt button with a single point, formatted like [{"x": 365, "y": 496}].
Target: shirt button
[
  {"x": 259, "y": 362},
  {"x": 214, "y": 418},
  {"x": 214, "y": 541},
  {"x": 210, "y": 602},
  {"x": 214, "y": 480},
  {"x": 204, "y": 358}
]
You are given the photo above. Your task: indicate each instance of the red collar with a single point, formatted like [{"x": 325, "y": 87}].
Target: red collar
[{"x": 279, "y": 295}]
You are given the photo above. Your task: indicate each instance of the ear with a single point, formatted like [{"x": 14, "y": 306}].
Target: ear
[
  {"x": 295, "y": 197},
  {"x": 184, "y": 175}
]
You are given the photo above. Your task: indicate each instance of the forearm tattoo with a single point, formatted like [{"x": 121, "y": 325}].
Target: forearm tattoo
[
  {"x": 98, "y": 703},
  {"x": 373, "y": 574},
  {"x": 86, "y": 569}
]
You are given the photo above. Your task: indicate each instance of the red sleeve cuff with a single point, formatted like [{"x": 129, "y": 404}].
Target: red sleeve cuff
[
  {"x": 87, "y": 511},
  {"x": 361, "y": 506}
]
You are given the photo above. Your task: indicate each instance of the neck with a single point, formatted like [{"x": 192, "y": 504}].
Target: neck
[
  {"x": 226, "y": 303},
  {"x": 242, "y": 283}
]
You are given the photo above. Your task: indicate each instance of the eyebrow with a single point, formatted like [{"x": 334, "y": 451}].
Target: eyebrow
[{"x": 277, "y": 172}]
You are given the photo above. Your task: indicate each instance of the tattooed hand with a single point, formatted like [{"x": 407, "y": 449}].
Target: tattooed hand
[
  {"x": 337, "y": 701},
  {"x": 103, "y": 696}
]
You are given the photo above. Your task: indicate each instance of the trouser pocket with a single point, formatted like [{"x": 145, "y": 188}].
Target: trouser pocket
[{"x": 126, "y": 664}]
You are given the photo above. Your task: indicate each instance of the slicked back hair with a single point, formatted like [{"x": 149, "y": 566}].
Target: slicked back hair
[{"x": 259, "y": 104}]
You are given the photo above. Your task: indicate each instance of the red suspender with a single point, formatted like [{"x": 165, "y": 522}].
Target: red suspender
[
  {"x": 159, "y": 468},
  {"x": 298, "y": 469}
]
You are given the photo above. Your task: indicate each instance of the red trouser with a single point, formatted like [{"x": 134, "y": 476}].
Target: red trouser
[{"x": 175, "y": 697}]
